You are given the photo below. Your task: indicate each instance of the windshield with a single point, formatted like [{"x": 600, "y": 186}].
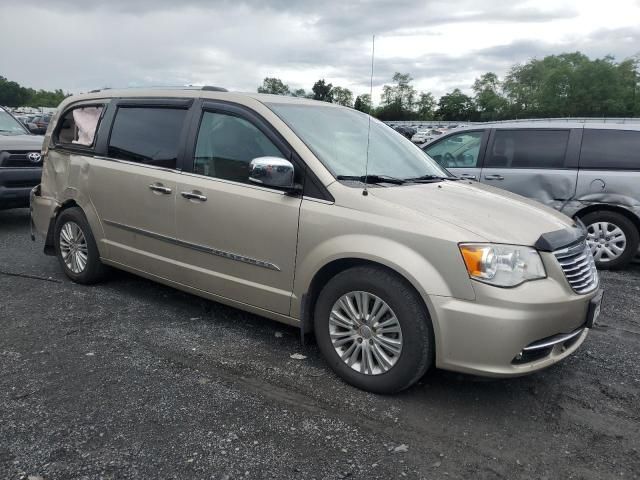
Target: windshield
[
  {"x": 10, "y": 125},
  {"x": 338, "y": 137}
]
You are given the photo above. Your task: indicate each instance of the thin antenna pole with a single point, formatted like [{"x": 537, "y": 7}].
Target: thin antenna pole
[{"x": 366, "y": 165}]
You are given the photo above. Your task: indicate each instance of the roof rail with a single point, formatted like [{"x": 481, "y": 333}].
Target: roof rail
[{"x": 209, "y": 88}]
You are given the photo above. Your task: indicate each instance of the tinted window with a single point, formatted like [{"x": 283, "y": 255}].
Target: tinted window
[
  {"x": 147, "y": 135},
  {"x": 226, "y": 144},
  {"x": 617, "y": 149},
  {"x": 460, "y": 150},
  {"x": 528, "y": 149}
]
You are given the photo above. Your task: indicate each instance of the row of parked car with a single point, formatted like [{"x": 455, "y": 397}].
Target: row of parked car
[
  {"x": 36, "y": 123},
  {"x": 422, "y": 133}
]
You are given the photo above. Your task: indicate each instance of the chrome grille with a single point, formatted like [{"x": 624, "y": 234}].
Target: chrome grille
[{"x": 578, "y": 267}]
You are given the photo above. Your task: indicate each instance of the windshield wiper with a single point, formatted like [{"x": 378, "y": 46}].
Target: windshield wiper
[
  {"x": 430, "y": 178},
  {"x": 372, "y": 179}
]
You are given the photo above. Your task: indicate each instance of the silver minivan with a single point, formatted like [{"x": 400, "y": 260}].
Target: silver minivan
[
  {"x": 588, "y": 171},
  {"x": 320, "y": 217}
]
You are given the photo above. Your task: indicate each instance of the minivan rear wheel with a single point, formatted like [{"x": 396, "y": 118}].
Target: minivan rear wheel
[
  {"x": 76, "y": 247},
  {"x": 374, "y": 330},
  {"x": 612, "y": 237}
]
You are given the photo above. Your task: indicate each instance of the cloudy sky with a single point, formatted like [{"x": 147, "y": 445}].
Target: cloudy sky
[{"x": 78, "y": 45}]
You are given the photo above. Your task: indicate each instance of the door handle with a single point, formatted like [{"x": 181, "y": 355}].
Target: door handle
[
  {"x": 493, "y": 177},
  {"x": 158, "y": 187},
  {"x": 468, "y": 176},
  {"x": 194, "y": 196}
]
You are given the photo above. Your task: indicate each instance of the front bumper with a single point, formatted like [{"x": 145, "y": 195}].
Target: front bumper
[
  {"x": 486, "y": 336},
  {"x": 15, "y": 185}
]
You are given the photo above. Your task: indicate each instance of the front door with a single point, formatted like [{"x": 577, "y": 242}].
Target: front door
[
  {"x": 238, "y": 239},
  {"x": 133, "y": 187},
  {"x": 460, "y": 153}
]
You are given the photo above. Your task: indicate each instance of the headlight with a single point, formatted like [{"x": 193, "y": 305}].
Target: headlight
[{"x": 502, "y": 265}]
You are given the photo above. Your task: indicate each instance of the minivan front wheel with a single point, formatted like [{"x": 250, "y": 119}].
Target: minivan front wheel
[
  {"x": 373, "y": 329},
  {"x": 612, "y": 237},
  {"x": 76, "y": 247}
]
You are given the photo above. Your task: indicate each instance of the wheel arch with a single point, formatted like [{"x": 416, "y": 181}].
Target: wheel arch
[
  {"x": 49, "y": 242},
  {"x": 600, "y": 207},
  {"x": 336, "y": 266},
  {"x": 90, "y": 215}
]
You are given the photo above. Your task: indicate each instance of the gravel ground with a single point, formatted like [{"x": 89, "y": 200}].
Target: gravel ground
[{"x": 131, "y": 379}]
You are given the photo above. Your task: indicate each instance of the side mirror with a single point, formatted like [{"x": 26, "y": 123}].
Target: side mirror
[
  {"x": 272, "y": 172},
  {"x": 33, "y": 128}
]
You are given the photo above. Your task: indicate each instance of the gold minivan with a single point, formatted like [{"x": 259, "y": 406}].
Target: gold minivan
[{"x": 320, "y": 217}]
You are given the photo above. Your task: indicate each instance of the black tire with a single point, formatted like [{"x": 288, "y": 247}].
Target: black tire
[
  {"x": 417, "y": 332},
  {"x": 629, "y": 229},
  {"x": 94, "y": 271}
]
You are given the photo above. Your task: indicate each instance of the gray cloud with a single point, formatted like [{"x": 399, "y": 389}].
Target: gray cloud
[{"x": 87, "y": 44}]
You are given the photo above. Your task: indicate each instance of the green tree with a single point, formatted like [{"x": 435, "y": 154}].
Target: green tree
[
  {"x": 398, "y": 100},
  {"x": 322, "y": 91},
  {"x": 570, "y": 84},
  {"x": 12, "y": 94},
  {"x": 491, "y": 105},
  {"x": 426, "y": 106},
  {"x": 455, "y": 106},
  {"x": 274, "y": 86},
  {"x": 342, "y": 96},
  {"x": 363, "y": 103},
  {"x": 299, "y": 92}
]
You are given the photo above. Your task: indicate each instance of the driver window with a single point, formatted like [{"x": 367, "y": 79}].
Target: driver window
[
  {"x": 457, "y": 151},
  {"x": 227, "y": 144}
]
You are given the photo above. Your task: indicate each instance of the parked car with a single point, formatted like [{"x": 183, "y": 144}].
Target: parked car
[
  {"x": 20, "y": 162},
  {"x": 41, "y": 123},
  {"x": 262, "y": 202},
  {"x": 407, "y": 132},
  {"x": 420, "y": 136},
  {"x": 587, "y": 171}
]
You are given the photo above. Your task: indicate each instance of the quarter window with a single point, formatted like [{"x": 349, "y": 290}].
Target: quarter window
[
  {"x": 227, "y": 144},
  {"x": 610, "y": 149},
  {"x": 528, "y": 149},
  {"x": 79, "y": 125},
  {"x": 457, "y": 151},
  {"x": 147, "y": 135}
]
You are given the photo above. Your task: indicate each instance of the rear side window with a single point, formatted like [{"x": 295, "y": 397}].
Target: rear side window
[
  {"x": 528, "y": 149},
  {"x": 147, "y": 135},
  {"x": 79, "y": 126},
  {"x": 610, "y": 149}
]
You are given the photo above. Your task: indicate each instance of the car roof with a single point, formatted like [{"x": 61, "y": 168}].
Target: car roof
[{"x": 543, "y": 124}]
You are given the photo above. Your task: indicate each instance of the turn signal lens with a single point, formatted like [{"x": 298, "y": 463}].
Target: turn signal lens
[{"x": 502, "y": 265}]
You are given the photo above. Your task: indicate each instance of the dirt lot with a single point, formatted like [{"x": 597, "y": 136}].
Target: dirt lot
[{"x": 130, "y": 379}]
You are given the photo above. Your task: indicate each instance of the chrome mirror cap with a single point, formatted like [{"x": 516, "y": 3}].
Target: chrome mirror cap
[{"x": 272, "y": 172}]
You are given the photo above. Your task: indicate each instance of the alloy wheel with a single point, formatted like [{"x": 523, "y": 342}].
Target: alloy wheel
[
  {"x": 365, "y": 333},
  {"x": 73, "y": 247}
]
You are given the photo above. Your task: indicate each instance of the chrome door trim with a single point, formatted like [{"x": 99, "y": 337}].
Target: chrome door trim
[{"x": 194, "y": 246}]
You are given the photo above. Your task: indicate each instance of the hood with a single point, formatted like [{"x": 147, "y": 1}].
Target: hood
[
  {"x": 496, "y": 215},
  {"x": 21, "y": 142}
]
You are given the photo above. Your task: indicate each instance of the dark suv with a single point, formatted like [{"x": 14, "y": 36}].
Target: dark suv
[
  {"x": 20, "y": 162},
  {"x": 590, "y": 171}
]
